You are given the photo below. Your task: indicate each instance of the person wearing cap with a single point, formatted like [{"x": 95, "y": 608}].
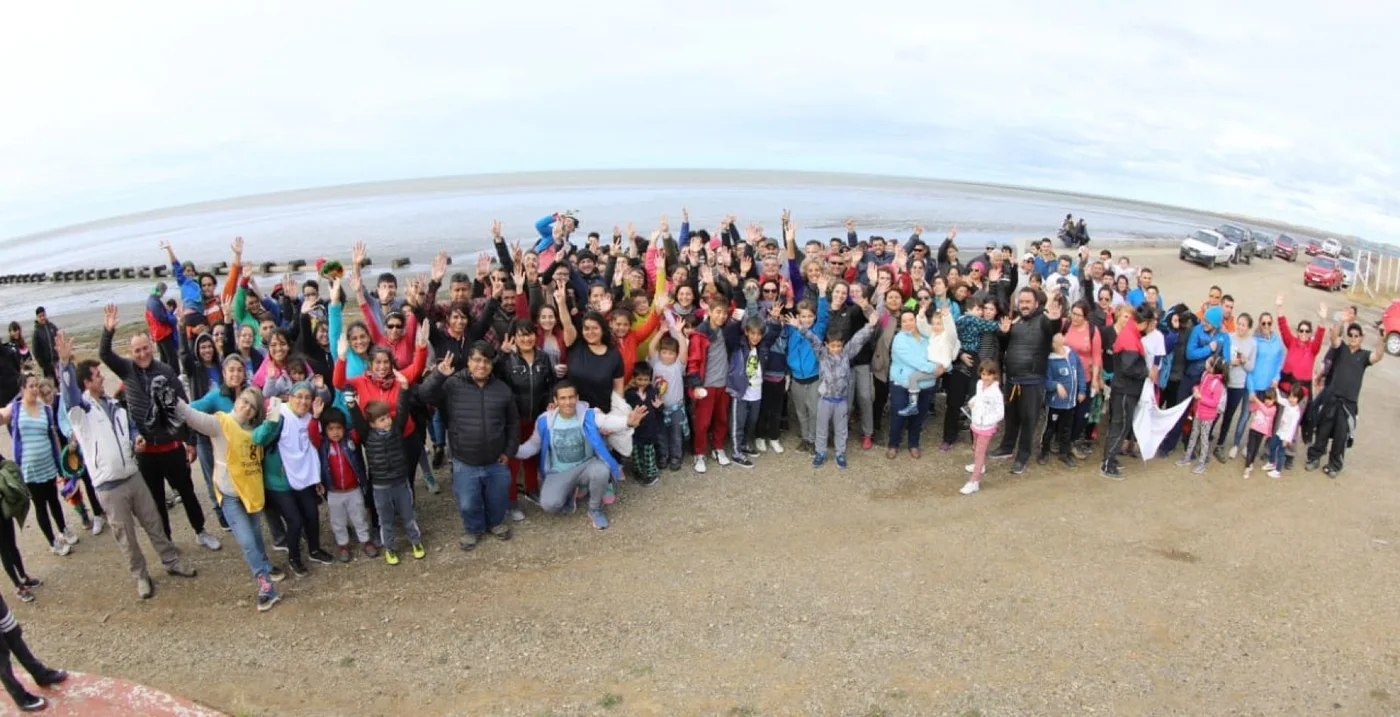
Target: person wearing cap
[
  {"x": 162, "y": 326},
  {"x": 1025, "y": 270},
  {"x": 42, "y": 345}
]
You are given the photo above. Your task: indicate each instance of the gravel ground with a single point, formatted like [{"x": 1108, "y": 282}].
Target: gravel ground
[{"x": 872, "y": 591}]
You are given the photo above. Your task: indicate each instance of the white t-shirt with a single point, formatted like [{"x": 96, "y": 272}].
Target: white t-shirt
[
  {"x": 1155, "y": 346},
  {"x": 754, "y": 371}
]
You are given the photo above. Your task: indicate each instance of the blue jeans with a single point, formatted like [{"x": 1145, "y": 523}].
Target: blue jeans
[
  {"x": 436, "y": 430},
  {"x": 483, "y": 495},
  {"x": 1243, "y": 427},
  {"x": 1277, "y": 455},
  {"x": 899, "y": 398},
  {"x": 247, "y": 530},
  {"x": 204, "y": 448}
]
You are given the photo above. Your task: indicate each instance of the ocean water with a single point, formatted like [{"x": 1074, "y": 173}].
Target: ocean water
[{"x": 417, "y": 218}]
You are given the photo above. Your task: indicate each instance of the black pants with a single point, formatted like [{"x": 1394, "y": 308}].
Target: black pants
[
  {"x": 882, "y": 399},
  {"x": 1022, "y": 415},
  {"x": 9, "y": 552},
  {"x": 308, "y": 506},
  {"x": 12, "y": 643},
  {"x": 46, "y": 503},
  {"x": 276, "y": 524},
  {"x": 771, "y": 407},
  {"x": 285, "y": 503},
  {"x": 1121, "y": 407},
  {"x": 157, "y": 469},
  {"x": 1252, "y": 446},
  {"x": 169, "y": 355},
  {"x": 1334, "y": 425},
  {"x": 1059, "y": 426},
  {"x": 957, "y": 385}
]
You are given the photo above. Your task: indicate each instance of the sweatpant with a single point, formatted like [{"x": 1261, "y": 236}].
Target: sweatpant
[
  {"x": 1200, "y": 438},
  {"x": 956, "y": 384},
  {"x": 1023, "y": 406},
  {"x": 529, "y": 469},
  {"x": 711, "y": 420},
  {"x": 557, "y": 492},
  {"x": 832, "y": 411},
  {"x": 863, "y": 392},
  {"x": 646, "y": 460},
  {"x": 395, "y": 502},
  {"x": 1059, "y": 428},
  {"x": 773, "y": 405},
  {"x": 1334, "y": 427},
  {"x": 743, "y": 423},
  {"x": 282, "y": 505},
  {"x": 129, "y": 507},
  {"x": 170, "y": 467},
  {"x": 347, "y": 507},
  {"x": 1122, "y": 406},
  {"x": 9, "y": 552},
  {"x": 804, "y": 402},
  {"x": 45, "y": 498}
]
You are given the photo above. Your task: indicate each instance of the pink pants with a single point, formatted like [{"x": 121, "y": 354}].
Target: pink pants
[{"x": 980, "y": 441}]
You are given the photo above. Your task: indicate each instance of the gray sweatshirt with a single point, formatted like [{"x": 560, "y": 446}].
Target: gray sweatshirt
[
  {"x": 1246, "y": 349},
  {"x": 835, "y": 369}
]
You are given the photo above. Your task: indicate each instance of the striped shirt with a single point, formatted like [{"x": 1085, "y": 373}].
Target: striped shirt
[{"x": 39, "y": 466}]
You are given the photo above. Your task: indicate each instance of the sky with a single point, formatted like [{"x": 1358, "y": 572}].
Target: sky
[{"x": 1283, "y": 109}]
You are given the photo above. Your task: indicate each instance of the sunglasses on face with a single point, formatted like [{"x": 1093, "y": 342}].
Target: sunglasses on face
[
  {"x": 392, "y": 327},
  {"x": 1265, "y": 324},
  {"x": 1304, "y": 331}
]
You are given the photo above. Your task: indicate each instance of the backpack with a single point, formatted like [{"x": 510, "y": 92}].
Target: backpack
[{"x": 14, "y": 494}]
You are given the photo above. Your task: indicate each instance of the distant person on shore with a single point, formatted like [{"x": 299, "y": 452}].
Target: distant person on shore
[
  {"x": 162, "y": 326},
  {"x": 45, "y": 332}
]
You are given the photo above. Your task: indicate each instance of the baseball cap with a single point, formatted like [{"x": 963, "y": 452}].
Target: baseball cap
[{"x": 1028, "y": 257}]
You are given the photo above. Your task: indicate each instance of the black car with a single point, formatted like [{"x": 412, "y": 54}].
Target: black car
[{"x": 1242, "y": 239}]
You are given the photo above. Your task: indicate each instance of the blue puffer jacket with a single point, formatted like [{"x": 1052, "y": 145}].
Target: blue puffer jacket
[
  {"x": 801, "y": 359},
  {"x": 1268, "y": 362},
  {"x": 1198, "y": 346},
  {"x": 1067, "y": 371}
]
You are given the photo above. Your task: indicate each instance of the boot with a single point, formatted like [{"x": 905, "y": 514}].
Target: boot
[
  {"x": 43, "y": 675},
  {"x": 23, "y": 699}
]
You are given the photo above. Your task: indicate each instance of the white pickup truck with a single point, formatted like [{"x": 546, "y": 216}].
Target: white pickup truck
[
  {"x": 1208, "y": 247},
  {"x": 1331, "y": 247}
]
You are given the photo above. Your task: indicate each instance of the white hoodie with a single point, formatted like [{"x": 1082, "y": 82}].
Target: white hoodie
[{"x": 987, "y": 406}]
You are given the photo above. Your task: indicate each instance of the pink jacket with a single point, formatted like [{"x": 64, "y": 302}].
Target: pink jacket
[{"x": 1212, "y": 395}]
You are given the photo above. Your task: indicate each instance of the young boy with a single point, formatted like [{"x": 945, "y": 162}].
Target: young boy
[
  {"x": 646, "y": 439},
  {"x": 835, "y": 378},
  {"x": 745, "y": 383},
  {"x": 707, "y": 372},
  {"x": 803, "y": 365},
  {"x": 668, "y": 359},
  {"x": 389, "y": 471},
  {"x": 1066, "y": 386},
  {"x": 342, "y": 473}
]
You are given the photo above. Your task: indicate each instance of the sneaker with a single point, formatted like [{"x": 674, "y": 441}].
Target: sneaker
[
  {"x": 818, "y": 459},
  {"x": 1220, "y": 454},
  {"x": 1268, "y": 467},
  {"x": 419, "y": 551},
  {"x": 369, "y": 549},
  {"x": 1043, "y": 458},
  {"x": 1311, "y": 465},
  {"x": 1288, "y": 463},
  {"x": 69, "y": 536},
  {"x": 468, "y": 542},
  {"x": 98, "y": 524},
  {"x": 721, "y": 459},
  {"x": 61, "y": 547},
  {"x": 49, "y": 677},
  {"x": 1018, "y": 468},
  {"x": 1247, "y": 471},
  {"x": 182, "y": 570},
  {"x": 1272, "y": 474},
  {"x": 208, "y": 541},
  {"x": 999, "y": 454},
  {"x": 321, "y": 557},
  {"x": 751, "y": 452},
  {"x": 342, "y": 553},
  {"x": 970, "y": 467},
  {"x": 277, "y": 574},
  {"x": 1234, "y": 452},
  {"x": 805, "y": 446},
  {"x": 280, "y": 546},
  {"x": 760, "y": 445},
  {"x": 267, "y": 595},
  {"x": 841, "y": 461},
  {"x": 439, "y": 457},
  {"x": 970, "y": 487},
  {"x": 172, "y": 500},
  {"x": 298, "y": 568},
  {"x": 432, "y": 484},
  {"x": 674, "y": 465},
  {"x": 31, "y": 703},
  {"x": 1182, "y": 462},
  {"x": 610, "y": 494},
  {"x": 25, "y": 595},
  {"x": 145, "y": 588},
  {"x": 1200, "y": 468},
  {"x": 501, "y": 532},
  {"x": 1070, "y": 461},
  {"x": 866, "y": 443},
  {"x": 1327, "y": 471},
  {"x": 599, "y": 518},
  {"x": 1111, "y": 472},
  {"x": 1081, "y": 450},
  {"x": 515, "y": 515},
  {"x": 775, "y": 446},
  {"x": 910, "y": 409},
  {"x": 31, "y": 583},
  {"x": 391, "y": 557},
  {"x": 700, "y": 464},
  {"x": 944, "y": 447},
  {"x": 648, "y": 480},
  {"x": 741, "y": 461}
]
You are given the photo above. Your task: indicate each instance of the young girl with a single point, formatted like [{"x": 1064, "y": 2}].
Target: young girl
[
  {"x": 986, "y": 410},
  {"x": 1210, "y": 395},
  {"x": 1261, "y": 425},
  {"x": 1287, "y": 430}
]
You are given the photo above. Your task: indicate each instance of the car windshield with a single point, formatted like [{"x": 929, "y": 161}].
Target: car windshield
[
  {"x": 1285, "y": 240},
  {"x": 1205, "y": 238},
  {"x": 1348, "y": 265},
  {"x": 1231, "y": 232},
  {"x": 1324, "y": 263},
  {"x": 1259, "y": 236}
]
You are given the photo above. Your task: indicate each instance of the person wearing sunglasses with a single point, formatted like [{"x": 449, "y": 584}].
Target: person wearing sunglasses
[
  {"x": 1269, "y": 353},
  {"x": 1337, "y": 403}
]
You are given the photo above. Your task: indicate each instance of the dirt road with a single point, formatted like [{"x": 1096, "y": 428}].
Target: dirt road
[{"x": 783, "y": 591}]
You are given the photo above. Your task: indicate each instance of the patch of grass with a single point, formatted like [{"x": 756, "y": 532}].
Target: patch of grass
[
  {"x": 743, "y": 711},
  {"x": 609, "y": 700},
  {"x": 898, "y": 693},
  {"x": 875, "y": 711},
  {"x": 346, "y": 662},
  {"x": 1380, "y": 695},
  {"x": 641, "y": 670}
]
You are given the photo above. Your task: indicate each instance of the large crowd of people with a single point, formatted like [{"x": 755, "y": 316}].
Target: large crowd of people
[{"x": 550, "y": 371}]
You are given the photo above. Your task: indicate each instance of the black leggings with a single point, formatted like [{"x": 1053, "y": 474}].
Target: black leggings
[
  {"x": 45, "y": 497},
  {"x": 956, "y": 385},
  {"x": 9, "y": 552},
  {"x": 284, "y": 502},
  {"x": 308, "y": 505},
  {"x": 771, "y": 408}
]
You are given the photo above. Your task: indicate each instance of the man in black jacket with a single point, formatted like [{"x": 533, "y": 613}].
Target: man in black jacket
[
  {"x": 42, "y": 346},
  {"x": 484, "y": 432},
  {"x": 162, "y": 451},
  {"x": 1027, "y": 340}
]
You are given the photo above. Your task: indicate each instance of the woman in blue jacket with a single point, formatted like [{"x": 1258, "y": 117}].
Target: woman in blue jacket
[
  {"x": 1268, "y": 366},
  {"x": 908, "y": 354}
]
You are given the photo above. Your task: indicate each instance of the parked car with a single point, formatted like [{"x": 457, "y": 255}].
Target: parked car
[
  {"x": 1389, "y": 326},
  {"x": 1208, "y": 248},
  {"x": 1241, "y": 238},
  {"x": 1331, "y": 247},
  {"x": 1286, "y": 247},
  {"x": 1312, "y": 248},
  {"x": 1324, "y": 273},
  {"x": 1347, "y": 253},
  {"x": 1348, "y": 272},
  {"x": 1263, "y": 244}
]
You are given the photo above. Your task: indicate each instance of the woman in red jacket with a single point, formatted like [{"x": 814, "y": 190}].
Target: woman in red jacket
[
  {"x": 382, "y": 381},
  {"x": 1303, "y": 344}
]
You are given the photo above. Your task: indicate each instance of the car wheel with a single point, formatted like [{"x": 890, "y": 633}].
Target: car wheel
[
  {"x": 1392, "y": 343},
  {"x": 1210, "y": 263},
  {"x": 1182, "y": 254}
]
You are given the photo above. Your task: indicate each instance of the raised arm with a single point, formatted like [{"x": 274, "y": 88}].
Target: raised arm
[
  {"x": 119, "y": 366},
  {"x": 201, "y": 422}
]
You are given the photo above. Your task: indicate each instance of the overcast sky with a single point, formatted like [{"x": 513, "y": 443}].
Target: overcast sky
[{"x": 1284, "y": 109}]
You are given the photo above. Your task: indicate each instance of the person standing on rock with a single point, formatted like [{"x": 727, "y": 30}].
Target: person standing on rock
[
  {"x": 107, "y": 439},
  {"x": 1337, "y": 409},
  {"x": 161, "y": 452},
  {"x": 1027, "y": 338}
]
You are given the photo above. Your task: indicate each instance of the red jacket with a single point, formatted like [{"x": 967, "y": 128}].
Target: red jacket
[
  {"x": 372, "y": 390},
  {"x": 699, "y": 351},
  {"x": 1302, "y": 355}
]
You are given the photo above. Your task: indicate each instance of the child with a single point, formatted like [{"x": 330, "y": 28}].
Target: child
[
  {"x": 943, "y": 348},
  {"x": 646, "y": 438},
  {"x": 835, "y": 376},
  {"x": 1066, "y": 386},
  {"x": 1289, "y": 418},
  {"x": 342, "y": 473},
  {"x": 668, "y": 358},
  {"x": 1210, "y": 395},
  {"x": 803, "y": 365},
  {"x": 1261, "y": 425},
  {"x": 745, "y": 384},
  {"x": 389, "y": 471},
  {"x": 985, "y": 409}
]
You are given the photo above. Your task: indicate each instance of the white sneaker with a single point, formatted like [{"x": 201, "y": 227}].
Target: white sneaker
[
  {"x": 208, "y": 541},
  {"x": 60, "y": 547},
  {"x": 516, "y": 515},
  {"x": 98, "y": 524},
  {"x": 699, "y": 464},
  {"x": 970, "y": 487},
  {"x": 760, "y": 445},
  {"x": 1247, "y": 471},
  {"x": 70, "y": 537},
  {"x": 775, "y": 446},
  {"x": 970, "y": 467},
  {"x": 721, "y": 459},
  {"x": 1275, "y": 474},
  {"x": 1234, "y": 451}
]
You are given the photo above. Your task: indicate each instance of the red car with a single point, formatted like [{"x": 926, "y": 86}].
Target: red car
[
  {"x": 1325, "y": 273},
  {"x": 1390, "y": 327},
  {"x": 1313, "y": 247},
  {"x": 1286, "y": 247}
]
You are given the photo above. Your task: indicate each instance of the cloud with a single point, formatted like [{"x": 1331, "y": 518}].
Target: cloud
[{"x": 1276, "y": 109}]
